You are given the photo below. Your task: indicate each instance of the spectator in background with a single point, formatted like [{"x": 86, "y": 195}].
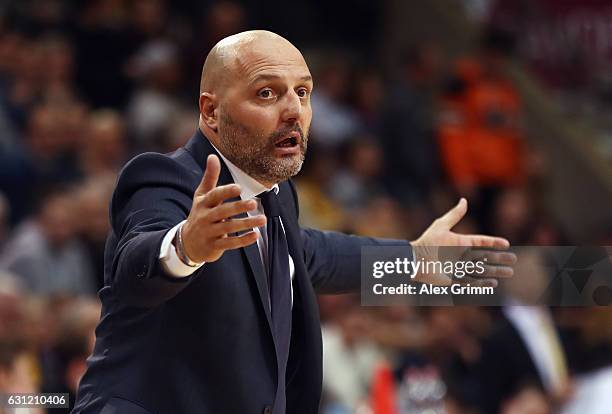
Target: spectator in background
[
  {"x": 92, "y": 202},
  {"x": 46, "y": 255},
  {"x": 482, "y": 144},
  {"x": 51, "y": 146},
  {"x": 148, "y": 19},
  {"x": 525, "y": 345},
  {"x": 407, "y": 130},
  {"x": 368, "y": 96},
  {"x": 180, "y": 126},
  {"x": 333, "y": 121},
  {"x": 435, "y": 371},
  {"x": 103, "y": 45},
  {"x": 385, "y": 216},
  {"x": 57, "y": 78},
  {"x": 40, "y": 68},
  {"x": 360, "y": 179},
  {"x": 220, "y": 19},
  {"x": 19, "y": 368},
  {"x": 518, "y": 214},
  {"x": 513, "y": 214},
  {"x": 223, "y": 18},
  {"x": 16, "y": 372},
  {"x": 22, "y": 78},
  {"x": 46, "y": 157},
  {"x": 74, "y": 343},
  {"x": 154, "y": 105},
  {"x": 589, "y": 334},
  {"x": 349, "y": 358},
  {"x": 104, "y": 150},
  {"x": 11, "y": 309},
  {"x": 317, "y": 207}
]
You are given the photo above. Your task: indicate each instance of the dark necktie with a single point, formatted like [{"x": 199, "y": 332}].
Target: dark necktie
[{"x": 280, "y": 290}]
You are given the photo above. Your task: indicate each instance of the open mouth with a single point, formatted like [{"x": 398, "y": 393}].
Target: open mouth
[
  {"x": 287, "y": 142},
  {"x": 292, "y": 139}
]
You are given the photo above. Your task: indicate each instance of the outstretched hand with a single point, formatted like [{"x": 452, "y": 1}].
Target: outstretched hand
[
  {"x": 207, "y": 232},
  {"x": 439, "y": 234}
]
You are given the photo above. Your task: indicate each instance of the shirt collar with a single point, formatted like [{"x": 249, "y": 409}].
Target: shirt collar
[{"x": 250, "y": 186}]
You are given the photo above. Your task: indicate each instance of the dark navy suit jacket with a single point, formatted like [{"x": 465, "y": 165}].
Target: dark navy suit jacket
[{"x": 203, "y": 343}]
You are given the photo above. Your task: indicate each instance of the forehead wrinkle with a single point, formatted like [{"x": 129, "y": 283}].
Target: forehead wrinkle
[{"x": 262, "y": 66}]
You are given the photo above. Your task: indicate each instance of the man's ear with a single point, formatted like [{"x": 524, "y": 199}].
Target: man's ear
[{"x": 209, "y": 110}]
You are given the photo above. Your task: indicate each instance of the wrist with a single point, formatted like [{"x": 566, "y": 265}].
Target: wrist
[{"x": 179, "y": 247}]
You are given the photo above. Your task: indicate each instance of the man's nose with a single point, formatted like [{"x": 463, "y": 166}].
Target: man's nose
[{"x": 292, "y": 108}]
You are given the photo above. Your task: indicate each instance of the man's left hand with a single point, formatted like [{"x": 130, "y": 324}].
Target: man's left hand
[{"x": 439, "y": 234}]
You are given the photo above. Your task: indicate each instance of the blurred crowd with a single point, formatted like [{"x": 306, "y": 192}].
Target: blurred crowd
[{"x": 86, "y": 85}]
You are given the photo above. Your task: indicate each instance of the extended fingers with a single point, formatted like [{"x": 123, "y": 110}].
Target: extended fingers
[
  {"x": 483, "y": 282},
  {"x": 498, "y": 272},
  {"x": 238, "y": 225},
  {"x": 219, "y": 194},
  {"x": 236, "y": 242},
  {"x": 479, "y": 240},
  {"x": 492, "y": 257},
  {"x": 227, "y": 210},
  {"x": 497, "y": 264}
]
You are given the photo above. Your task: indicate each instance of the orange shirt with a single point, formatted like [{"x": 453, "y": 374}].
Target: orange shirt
[{"x": 481, "y": 142}]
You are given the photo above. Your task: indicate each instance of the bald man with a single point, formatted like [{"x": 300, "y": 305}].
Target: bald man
[{"x": 209, "y": 297}]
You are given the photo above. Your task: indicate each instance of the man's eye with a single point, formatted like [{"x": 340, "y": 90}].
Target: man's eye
[
  {"x": 302, "y": 92},
  {"x": 266, "y": 93}
]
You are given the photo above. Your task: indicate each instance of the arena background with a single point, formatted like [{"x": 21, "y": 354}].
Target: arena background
[{"x": 416, "y": 103}]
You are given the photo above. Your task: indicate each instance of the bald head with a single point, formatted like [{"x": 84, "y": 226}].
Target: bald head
[{"x": 230, "y": 55}]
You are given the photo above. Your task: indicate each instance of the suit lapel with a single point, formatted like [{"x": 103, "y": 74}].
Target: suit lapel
[
  {"x": 304, "y": 367},
  {"x": 292, "y": 231},
  {"x": 252, "y": 254},
  {"x": 303, "y": 301},
  {"x": 304, "y": 296}
]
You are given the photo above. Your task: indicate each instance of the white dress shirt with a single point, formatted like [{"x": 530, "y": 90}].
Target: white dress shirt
[
  {"x": 250, "y": 188},
  {"x": 532, "y": 324}
]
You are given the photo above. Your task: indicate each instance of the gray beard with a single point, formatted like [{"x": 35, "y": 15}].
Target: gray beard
[{"x": 254, "y": 154}]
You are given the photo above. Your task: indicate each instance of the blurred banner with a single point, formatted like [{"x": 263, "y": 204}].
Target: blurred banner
[{"x": 568, "y": 43}]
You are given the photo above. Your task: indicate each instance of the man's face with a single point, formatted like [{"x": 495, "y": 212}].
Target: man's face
[{"x": 265, "y": 113}]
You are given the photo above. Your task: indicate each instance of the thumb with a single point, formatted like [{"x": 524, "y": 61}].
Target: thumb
[
  {"x": 211, "y": 175},
  {"x": 454, "y": 215}
]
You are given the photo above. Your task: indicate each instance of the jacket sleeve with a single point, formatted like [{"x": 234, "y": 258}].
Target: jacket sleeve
[
  {"x": 333, "y": 259},
  {"x": 153, "y": 194}
]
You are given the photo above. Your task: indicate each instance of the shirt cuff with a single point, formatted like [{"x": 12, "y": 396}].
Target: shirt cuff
[{"x": 170, "y": 260}]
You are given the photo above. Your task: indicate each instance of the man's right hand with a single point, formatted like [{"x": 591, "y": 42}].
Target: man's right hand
[{"x": 206, "y": 233}]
